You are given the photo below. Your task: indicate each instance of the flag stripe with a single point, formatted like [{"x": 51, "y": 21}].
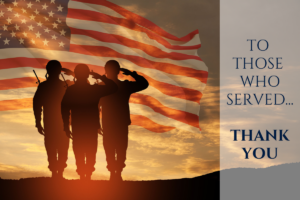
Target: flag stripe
[
  {"x": 146, "y": 123},
  {"x": 15, "y": 104},
  {"x": 15, "y": 83},
  {"x": 19, "y": 93}
]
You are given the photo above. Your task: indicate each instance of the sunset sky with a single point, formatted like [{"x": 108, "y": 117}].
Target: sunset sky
[{"x": 173, "y": 154}]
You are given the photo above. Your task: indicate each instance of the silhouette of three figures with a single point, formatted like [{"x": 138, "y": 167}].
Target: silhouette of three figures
[{"x": 72, "y": 110}]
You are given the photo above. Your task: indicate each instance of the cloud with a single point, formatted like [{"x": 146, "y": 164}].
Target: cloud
[
  {"x": 144, "y": 163},
  {"x": 199, "y": 166},
  {"x": 16, "y": 172},
  {"x": 174, "y": 142},
  {"x": 24, "y": 117},
  {"x": 135, "y": 9},
  {"x": 34, "y": 148}
]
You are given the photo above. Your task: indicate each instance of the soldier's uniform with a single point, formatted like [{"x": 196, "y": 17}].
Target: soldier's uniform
[
  {"x": 81, "y": 101},
  {"x": 48, "y": 99},
  {"x": 115, "y": 121}
]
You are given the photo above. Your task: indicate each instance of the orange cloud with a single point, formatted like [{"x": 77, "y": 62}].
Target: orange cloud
[{"x": 199, "y": 166}]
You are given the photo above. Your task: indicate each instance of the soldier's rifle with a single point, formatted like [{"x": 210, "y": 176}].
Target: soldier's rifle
[
  {"x": 64, "y": 80},
  {"x": 38, "y": 80}
]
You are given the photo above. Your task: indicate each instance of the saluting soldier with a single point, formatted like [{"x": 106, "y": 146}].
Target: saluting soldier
[
  {"x": 81, "y": 102},
  {"x": 116, "y": 117}
]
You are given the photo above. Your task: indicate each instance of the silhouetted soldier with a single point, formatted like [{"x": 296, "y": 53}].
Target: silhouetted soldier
[
  {"x": 116, "y": 117},
  {"x": 82, "y": 99},
  {"x": 48, "y": 99}
]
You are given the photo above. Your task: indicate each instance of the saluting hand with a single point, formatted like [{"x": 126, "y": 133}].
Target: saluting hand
[
  {"x": 126, "y": 71},
  {"x": 97, "y": 76},
  {"x": 68, "y": 72}
]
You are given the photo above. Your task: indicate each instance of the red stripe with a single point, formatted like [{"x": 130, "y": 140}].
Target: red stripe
[
  {"x": 165, "y": 88},
  {"x": 148, "y": 124},
  {"x": 15, "y": 83},
  {"x": 178, "y": 115},
  {"x": 9, "y": 63},
  {"x": 142, "y": 62},
  {"x": 140, "y": 20},
  {"x": 100, "y": 17},
  {"x": 15, "y": 104},
  {"x": 149, "y": 49}
]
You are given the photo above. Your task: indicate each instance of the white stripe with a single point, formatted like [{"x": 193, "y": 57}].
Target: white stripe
[
  {"x": 93, "y": 7},
  {"x": 136, "y": 109},
  {"x": 63, "y": 56},
  {"x": 108, "y": 11},
  {"x": 20, "y": 93},
  {"x": 86, "y": 40},
  {"x": 117, "y": 30},
  {"x": 21, "y": 72}
]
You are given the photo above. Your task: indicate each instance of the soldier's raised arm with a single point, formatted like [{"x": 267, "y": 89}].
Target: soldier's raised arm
[
  {"x": 37, "y": 109},
  {"x": 140, "y": 82},
  {"x": 109, "y": 87},
  {"x": 69, "y": 73}
]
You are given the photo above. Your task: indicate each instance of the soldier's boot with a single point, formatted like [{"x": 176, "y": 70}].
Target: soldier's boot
[{"x": 118, "y": 176}]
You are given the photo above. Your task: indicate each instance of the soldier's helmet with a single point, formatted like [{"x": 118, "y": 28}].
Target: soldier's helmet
[
  {"x": 82, "y": 71},
  {"x": 53, "y": 67},
  {"x": 112, "y": 67}
]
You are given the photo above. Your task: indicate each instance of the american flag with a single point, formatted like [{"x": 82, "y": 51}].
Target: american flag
[{"x": 93, "y": 32}]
